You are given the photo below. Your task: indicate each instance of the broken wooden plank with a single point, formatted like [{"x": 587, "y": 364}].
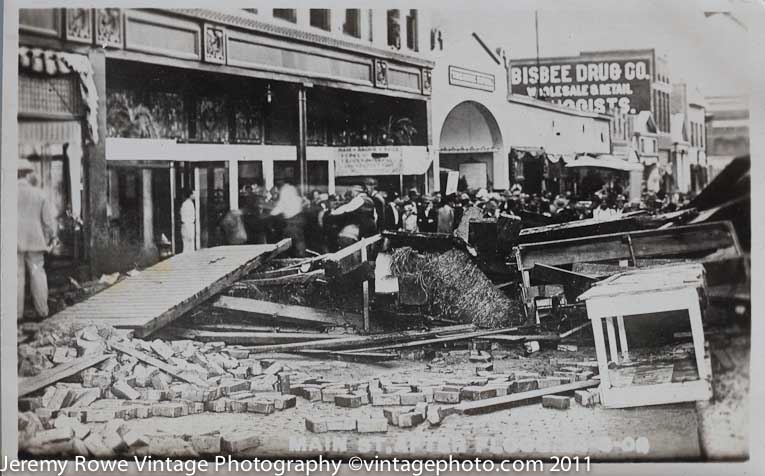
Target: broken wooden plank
[
  {"x": 162, "y": 293},
  {"x": 520, "y": 338},
  {"x": 574, "y": 284},
  {"x": 50, "y": 376},
  {"x": 578, "y": 229},
  {"x": 514, "y": 400},
  {"x": 247, "y": 338},
  {"x": 360, "y": 341},
  {"x": 274, "y": 312},
  {"x": 574, "y": 330},
  {"x": 681, "y": 240},
  {"x": 167, "y": 368},
  {"x": 286, "y": 278},
  {"x": 231, "y": 327},
  {"x": 349, "y": 258},
  {"x": 438, "y": 340},
  {"x": 351, "y": 356},
  {"x": 420, "y": 241}
]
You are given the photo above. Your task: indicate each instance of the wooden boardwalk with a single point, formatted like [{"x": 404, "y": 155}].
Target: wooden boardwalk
[{"x": 159, "y": 294}]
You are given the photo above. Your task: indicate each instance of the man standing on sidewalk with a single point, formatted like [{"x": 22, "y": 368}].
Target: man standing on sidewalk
[
  {"x": 188, "y": 221},
  {"x": 36, "y": 233}
]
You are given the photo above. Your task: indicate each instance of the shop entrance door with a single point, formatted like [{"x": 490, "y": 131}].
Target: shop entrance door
[
  {"x": 533, "y": 175},
  {"x": 210, "y": 181}
]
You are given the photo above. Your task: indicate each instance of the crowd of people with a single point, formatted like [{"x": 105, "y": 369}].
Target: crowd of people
[{"x": 321, "y": 223}]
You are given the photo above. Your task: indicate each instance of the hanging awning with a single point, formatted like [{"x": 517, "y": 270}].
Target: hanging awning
[
  {"x": 605, "y": 161},
  {"x": 56, "y": 63},
  {"x": 521, "y": 151}
]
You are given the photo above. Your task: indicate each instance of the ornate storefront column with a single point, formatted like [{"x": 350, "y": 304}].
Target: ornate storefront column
[{"x": 149, "y": 247}]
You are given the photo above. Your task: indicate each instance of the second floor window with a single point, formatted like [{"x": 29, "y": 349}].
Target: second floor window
[
  {"x": 320, "y": 18},
  {"x": 352, "y": 25},
  {"x": 289, "y": 14},
  {"x": 411, "y": 31},
  {"x": 394, "y": 29}
]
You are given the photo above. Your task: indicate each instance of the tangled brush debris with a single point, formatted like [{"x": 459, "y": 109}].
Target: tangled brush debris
[{"x": 456, "y": 288}]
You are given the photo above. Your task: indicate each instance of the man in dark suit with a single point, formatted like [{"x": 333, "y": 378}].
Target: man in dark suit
[{"x": 392, "y": 215}]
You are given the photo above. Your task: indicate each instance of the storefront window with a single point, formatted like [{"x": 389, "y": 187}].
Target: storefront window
[
  {"x": 281, "y": 115},
  {"x": 211, "y": 119},
  {"x": 318, "y": 175},
  {"x": 285, "y": 171},
  {"x": 248, "y": 122}
]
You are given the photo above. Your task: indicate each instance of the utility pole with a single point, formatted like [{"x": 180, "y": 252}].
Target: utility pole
[
  {"x": 302, "y": 139},
  {"x": 536, "y": 30}
]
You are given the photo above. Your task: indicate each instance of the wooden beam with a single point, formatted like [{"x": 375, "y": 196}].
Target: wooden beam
[
  {"x": 226, "y": 327},
  {"x": 50, "y": 376},
  {"x": 500, "y": 338},
  {"x": 574, "y": 330},
  {"x": 349, "y": 258},
  {"x": 272, "y": 313},
  {"x": 421, "y": 241},
  {"x": 248, "y": 338},
  {"x": 681, "y": 240},
  {"x": 95, "y": 217},
  {"x": 513, "y": 400},
  {"x": 167, "y": 368},
  {"x": 578, "y": 229},
  {"x": 351, "y": 356},
  {"x": 360, "y": 341},
  {"x": 285, "y": 278},
  {"x": 437, "y": 340}
]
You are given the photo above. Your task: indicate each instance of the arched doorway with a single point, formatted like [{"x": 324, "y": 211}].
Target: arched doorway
[{"x": 470, "y": 144}]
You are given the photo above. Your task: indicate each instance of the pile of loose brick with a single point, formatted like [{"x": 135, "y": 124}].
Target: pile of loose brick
[
  {"x": 57, "y": 419},
  {"x": 407, "y": 404}
]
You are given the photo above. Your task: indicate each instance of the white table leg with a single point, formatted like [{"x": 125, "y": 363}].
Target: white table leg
[
  {"x": 600, "y": 352},
  {"x": 612, "y": 339},
  {"x": 697, "y": 331},
  {"x": 623, "y": 338}
]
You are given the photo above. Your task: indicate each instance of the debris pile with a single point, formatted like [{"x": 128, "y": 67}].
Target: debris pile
[
  {"x": 407, "y": 403},
  {"x": 81, "y": 384},
  {"x": 457, "y": 289}
]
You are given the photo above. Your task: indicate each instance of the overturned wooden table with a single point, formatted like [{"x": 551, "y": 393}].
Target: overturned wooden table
[{"x": 632, "y": 295}]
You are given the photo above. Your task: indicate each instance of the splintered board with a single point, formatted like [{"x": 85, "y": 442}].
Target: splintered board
[{"x": 162, "y": 293}]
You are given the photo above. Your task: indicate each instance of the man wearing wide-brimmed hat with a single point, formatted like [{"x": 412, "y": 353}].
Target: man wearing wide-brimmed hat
[{"x": 36, "y": 233}]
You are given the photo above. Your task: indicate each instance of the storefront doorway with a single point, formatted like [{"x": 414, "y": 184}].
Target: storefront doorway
[
  {"x": 211, "y": 182},
  {"x": 470, "y": 144}
]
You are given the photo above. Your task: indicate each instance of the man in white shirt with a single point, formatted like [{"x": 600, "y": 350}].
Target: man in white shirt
[
  {"x": 603, "y": 212},
  {"x": 188, "y": 221}
]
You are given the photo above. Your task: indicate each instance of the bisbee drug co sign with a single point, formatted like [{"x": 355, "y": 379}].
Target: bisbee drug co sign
[{"x": 596, "y": 86}]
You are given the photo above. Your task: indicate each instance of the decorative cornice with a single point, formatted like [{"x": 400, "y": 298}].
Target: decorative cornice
[{"x": 246, "y": 22}]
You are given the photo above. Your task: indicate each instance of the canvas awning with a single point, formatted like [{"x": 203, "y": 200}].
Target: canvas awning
[
  {"x": 605, "y": 161},
  {"x": 55, "y": 63},
  {"x": 532, "y": 151}
]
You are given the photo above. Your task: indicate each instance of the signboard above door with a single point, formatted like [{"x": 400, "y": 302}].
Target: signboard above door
[
  {"x": 356, "y": 161},
  {"x": 467, "y": 78}
]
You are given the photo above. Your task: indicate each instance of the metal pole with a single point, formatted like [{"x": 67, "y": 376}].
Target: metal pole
[
  {"x": 536, "y": 30},
  {"x": 302, "y": 139},
  {"x": 172, "y": 206}
]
